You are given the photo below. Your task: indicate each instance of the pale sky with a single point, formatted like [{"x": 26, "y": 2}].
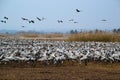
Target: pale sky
[{"x": 92, "y": 12}]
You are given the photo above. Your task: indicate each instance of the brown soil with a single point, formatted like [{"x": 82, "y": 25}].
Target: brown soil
[{"x": 76, "y": 71}]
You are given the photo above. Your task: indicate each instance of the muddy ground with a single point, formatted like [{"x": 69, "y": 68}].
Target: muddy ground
[{"x": 76, "y": 71}]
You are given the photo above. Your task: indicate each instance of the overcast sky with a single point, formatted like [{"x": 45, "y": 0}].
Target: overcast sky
[{"x": 92, "y": 12}]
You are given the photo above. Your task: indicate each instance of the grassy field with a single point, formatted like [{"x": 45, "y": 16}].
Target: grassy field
[
  {"x": 76, "y": 71},
  {"x": 84, "y": 36},
  {"x": 51, "y": 36},
  {"x": 100, "y": 36}
]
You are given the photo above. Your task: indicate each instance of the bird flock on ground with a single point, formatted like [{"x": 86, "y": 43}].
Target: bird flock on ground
[
  {"x": 5, "y": 19},
  {"x": 56, "y": 52}
]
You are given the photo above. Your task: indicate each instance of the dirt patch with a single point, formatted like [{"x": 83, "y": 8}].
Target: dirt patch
[{"x": 62, "y": 72}]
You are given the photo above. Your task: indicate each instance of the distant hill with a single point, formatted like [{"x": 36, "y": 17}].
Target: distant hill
[{"x": 8, "y": 31}]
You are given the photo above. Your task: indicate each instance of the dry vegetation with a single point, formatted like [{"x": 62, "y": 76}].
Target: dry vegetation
[
  {"x": 84, "y": 36},
  {"x": 3, "y": 35},
  {"x": 30, "y": 35},
  {"x": 50, "y": 36},
  {"x": 99, "y": 36},
  {"x": 76, "y": 71}
]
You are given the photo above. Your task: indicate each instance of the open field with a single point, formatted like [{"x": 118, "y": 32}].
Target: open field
[
  {"x": 84, "y": 36},
  {"x": 58, "y": 60},
  {"x": 93, "y": 71},
  {"x": 51, "y": 36}
]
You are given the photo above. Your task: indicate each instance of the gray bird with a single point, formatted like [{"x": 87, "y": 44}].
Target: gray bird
[
  {"x": 60, "y": 21},
  {"x": 3, "y": 21},
  {"x": 77, "y": 10},
  {"x": 24, "y": 19},
  {"x": 31, "y": 21},
  {"x": 71, "y": 20},
  {"x": 39, "y": 19},
  {"x": 103, "y": 20},
  {"x": 6, "y": 18},
  {"x": 43, "y": 18},
  {"x": 75, "y": 22},
  {"x": 22, "y": 26}
]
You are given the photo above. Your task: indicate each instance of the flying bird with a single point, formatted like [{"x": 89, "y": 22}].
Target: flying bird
[
  {"x": 43, "y": 18},
  {"x": 22, "y": 26},
  {"x": 71, "y": 20},
  {"x": 31, "y": 21},
  {"x": 60, "y": 21},
  {"x": 77, "y": 10},
  {"x": 24, "y": 19},
  {"x": 75, "y": 22},
  {"x": 3, "y": 21},
  {"x": 6, "y": 18},
  {"x": 104, "y": 20},
  {"x": 39, "y": 19}
]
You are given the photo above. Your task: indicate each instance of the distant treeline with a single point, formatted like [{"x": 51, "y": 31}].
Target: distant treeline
[
  {"x": 94, "y": 31},
  {"x": 95, "y": 35}
]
